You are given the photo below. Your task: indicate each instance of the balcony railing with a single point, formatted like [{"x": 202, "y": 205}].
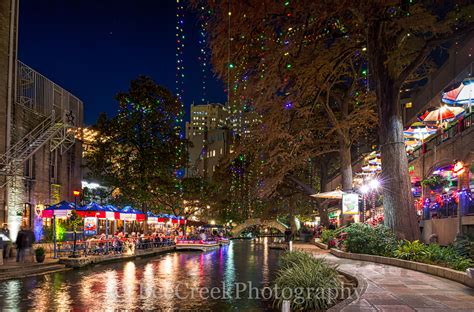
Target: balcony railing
[{"x": 444, "y": 135}]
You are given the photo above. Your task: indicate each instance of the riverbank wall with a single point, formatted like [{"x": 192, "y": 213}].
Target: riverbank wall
[{"x": 95, "y": 259}]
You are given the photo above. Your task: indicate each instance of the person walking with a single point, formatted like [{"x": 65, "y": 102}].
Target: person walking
[
  {"x": 28, "y": 244},
  {"x": 6, "y": 244},
  {"x": 20, "y": 245}
]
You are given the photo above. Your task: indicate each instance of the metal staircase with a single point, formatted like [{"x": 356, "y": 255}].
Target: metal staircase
[{"x": 52, "y": 130}]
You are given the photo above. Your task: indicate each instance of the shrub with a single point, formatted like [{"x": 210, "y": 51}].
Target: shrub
[
  {"x": 362, "y": 238},
  {"x": 314, "y": 283},
  {"x": 413, "y": 251},
  {"x": 327, "y": 235},
  {"x": 290, "y": 259},
  {"x": 461, "y": 263},
  {"x": 433, "y": 254}
]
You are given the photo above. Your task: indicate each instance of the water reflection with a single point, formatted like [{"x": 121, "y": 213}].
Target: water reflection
[{"x": 150, "y": 283}]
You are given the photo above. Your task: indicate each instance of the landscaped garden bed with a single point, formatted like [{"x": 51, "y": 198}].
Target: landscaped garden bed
[
  {"x": 379, "y": 244},
  {"x": 315, "y": 284}
]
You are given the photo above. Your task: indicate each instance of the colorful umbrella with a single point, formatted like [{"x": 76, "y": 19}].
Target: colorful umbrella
[
  {"x": 63, "y": 205},
  {"x": 130, "y": 214},
  {"x": 412, "y": 142},
  {"x": 422, "y": 116},
  {"x": 459, "y": 93},
  {"x": 419, "y": 131},
  {"x": 61, "y": 209},
  {"x": 151, "y": 217},
  {"x": 97, "y": 211},
  {"x": 444, "y": 113}
]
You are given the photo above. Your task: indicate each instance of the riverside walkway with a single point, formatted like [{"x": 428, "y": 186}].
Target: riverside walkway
[{"x": 390, "y": 288}]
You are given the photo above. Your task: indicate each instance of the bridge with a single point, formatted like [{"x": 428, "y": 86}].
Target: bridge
[{"x": 236, "y": 231}]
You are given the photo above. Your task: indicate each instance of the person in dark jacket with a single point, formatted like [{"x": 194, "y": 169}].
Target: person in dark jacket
[
  {"x": 24, "y": 242},
  {"x": 20, "y": 245}
]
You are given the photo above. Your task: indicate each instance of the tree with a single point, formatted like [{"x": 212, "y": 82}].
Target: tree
[
  {"x": 195, "y": 199},
  {"x": 271, "y": 40},
  {"x": 139, "y": 151},
  {"x": 399, "y": 41}
]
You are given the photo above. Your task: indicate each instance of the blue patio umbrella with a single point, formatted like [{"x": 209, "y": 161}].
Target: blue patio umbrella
[
  {"x": 63, "y": 205},
  {"x": 151, "y": 214},
  {"x": 127, "y": 209},
  {"x": 111, "y": 208},
  {"x": 92, "y": 206}
]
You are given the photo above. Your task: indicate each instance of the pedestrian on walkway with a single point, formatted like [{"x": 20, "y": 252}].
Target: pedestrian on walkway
[
  {"x": 30, "y": 239},
  {"x": 6, "y": 244},
  {"x": 20, "y": 245}
]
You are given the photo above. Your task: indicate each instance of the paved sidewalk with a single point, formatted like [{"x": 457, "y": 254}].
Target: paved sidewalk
[
  {"x": 391, "y": 288},
  {"x": 12, "y": 269}
]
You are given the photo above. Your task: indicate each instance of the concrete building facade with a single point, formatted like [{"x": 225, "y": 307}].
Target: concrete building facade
[
  {"x": 40, "y": 161},
  {"x": 209, "y": 139},
  {"x": 206, "y": 116}
]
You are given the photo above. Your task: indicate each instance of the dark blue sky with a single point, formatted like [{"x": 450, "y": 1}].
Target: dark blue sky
[{"x": 93, "y": 48}]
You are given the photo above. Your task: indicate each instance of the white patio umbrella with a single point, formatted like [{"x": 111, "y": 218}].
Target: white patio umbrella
[{"x": 337, "y": 194}]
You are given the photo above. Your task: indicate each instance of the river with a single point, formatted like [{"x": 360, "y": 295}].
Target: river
[{"x": 184, "y": 280}]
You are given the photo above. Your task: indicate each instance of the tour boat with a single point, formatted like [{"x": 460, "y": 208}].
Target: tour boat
[
  {"x": 196, "y": 245},
  {"x": 223, "y": 241}
]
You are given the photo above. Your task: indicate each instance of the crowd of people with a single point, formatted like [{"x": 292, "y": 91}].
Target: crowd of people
[{"x": 120, "y": 242}]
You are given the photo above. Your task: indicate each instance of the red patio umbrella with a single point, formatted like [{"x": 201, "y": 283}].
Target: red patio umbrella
[{"x": 444, "y": 113}]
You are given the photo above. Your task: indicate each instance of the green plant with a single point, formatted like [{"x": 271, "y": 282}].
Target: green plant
[
  {"x": 461, "y": 263},
  {"x": 314, "y": 283},
  {"x": 327, "y": 235},
  {"x": 39, "y": 252},
  {"x": 413, "y": 251},
  {"x": 290, "y": 259},
  {"x": 444, "y": 256},
  {"x": 435, "y": 182},
  {"x": 462, "y": 246},
  {"x": 363, "y": 238}
]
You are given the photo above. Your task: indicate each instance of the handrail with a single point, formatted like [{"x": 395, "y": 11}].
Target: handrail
[
  {"x": 25, "y": 141},
  {"x": 454, "y": 129}
]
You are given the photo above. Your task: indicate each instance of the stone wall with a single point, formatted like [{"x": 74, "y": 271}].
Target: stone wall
[
  {"x": 8, "y": 47},
  {"x": 445, "y": 229}
]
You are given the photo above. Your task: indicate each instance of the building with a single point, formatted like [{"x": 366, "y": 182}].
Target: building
[
  {"x": 40, "y": 161},
  {"x": 209, "y": 139},
  {"x": 206, "y": 116},
  {"x": 206, "y": 151}
]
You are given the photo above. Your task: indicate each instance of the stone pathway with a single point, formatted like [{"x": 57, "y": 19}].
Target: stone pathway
[{"x": 392, "y": 288}]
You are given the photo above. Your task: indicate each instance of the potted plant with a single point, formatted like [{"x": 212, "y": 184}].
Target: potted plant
[
  {"x": 435, "y": 182},
  {"x": 39, "y": 253}
]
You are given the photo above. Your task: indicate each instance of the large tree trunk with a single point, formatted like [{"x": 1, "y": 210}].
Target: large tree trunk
[
  {"x": 323, "y": 181},
  {"x": 346, "y": 165},
  {"x": 291, "y": 206},
  {"x": 399, "y": 211}
]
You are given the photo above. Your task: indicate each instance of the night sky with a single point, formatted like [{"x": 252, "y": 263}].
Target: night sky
[{"x": 93, "y": 48}]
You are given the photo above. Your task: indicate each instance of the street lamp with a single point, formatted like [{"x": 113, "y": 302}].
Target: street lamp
[
  {"x": 371, "y": 186},
  {"x": 459, "y": 171},
  {"x": 76, "y": 194},
  {"x": 374, "y": 184},
  {"x": 364, "y": 189}
]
